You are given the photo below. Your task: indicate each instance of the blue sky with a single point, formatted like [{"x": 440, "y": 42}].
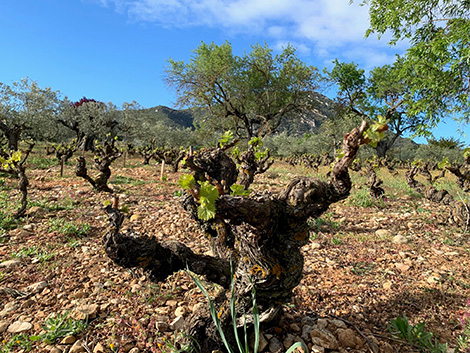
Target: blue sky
[{"x": 116, "y": 50}]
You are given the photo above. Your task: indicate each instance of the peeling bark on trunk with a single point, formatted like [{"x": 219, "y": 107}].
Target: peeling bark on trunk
[
  {"x": 250, "y": 166},
  {"x": 262, "y": 235},
  {"x": 463, "y": 174},
  {"x": 23, "y": 187},
  {"x": 177, "y": 161}
]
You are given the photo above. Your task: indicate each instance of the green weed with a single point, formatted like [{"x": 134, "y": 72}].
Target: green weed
[
  {"x": 7, "y": 221},
  {"x": 60, "y": 326},
  {"x": 463, "y": 341},
  {"x": 242, "y": 342},
  {"x": 316, "y": 224},
  {"x": 41, "y": 162},
  {"x": 173, "y": 345},
  {"x": 361, "y": 268},
  {"x": 416, "y": 335},
  {"x": 336, "y": 241},
  {"x": 20, "y": 340},
  {"x": 66, "y": 228},
  {"x": 33, "y": 251},
  {"x": 73, "y": 243},
  {"x": 363, "y": 198},
  {"x": 67, "y": 204},
  {"x": 118, "y": 179}
]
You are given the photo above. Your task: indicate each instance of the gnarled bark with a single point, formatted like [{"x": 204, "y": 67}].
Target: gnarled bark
[
  {"x": 104, "y": 156},
  {"x": 374, "y": 183},
  {"x": 261, "y": 235}
]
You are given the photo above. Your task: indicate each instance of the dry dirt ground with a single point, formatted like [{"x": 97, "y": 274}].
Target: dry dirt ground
[{"x": 363, "y": 267}]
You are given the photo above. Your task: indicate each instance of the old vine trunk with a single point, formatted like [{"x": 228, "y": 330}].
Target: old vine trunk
[{"x": 261, "y": 235}]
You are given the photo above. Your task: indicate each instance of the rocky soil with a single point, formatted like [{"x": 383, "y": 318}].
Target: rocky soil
[{"x": 363, "y": 267}]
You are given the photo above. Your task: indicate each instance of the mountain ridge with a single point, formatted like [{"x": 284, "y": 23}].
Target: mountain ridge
[{"x": 294, "y": 125}]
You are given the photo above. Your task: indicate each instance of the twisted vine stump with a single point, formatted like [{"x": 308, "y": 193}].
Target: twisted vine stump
[
  {"x": 462, "y": 172},
  {"x": 250, "y": 166},
  {"x": 459, "y": 210},
  {"x": 17, "y": 168},
  {"x": 104, "y": 156},
  {"x": 374, "y": 182},
  {"x": 261, "y": 235}
]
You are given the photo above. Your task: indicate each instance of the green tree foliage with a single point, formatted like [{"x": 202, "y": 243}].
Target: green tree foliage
[
  {"x": 27, "y": 111},
  {"x": 438, "y": 60},
  {"x": 444, "y": 142},
  {"x": 89, "y": 120},
  {"x": 249, "y": 94},
  {"x": 383, "y": 92}
]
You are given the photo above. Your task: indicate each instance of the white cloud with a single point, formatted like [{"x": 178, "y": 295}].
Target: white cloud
[{"x": 322, "y": 27}]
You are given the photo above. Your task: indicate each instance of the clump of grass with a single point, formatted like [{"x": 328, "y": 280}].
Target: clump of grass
[
  {"x": 33, "y": 251},
  {"x": 7, "y": 222},
  {"x": 41, "y": 162},
  {"x": 118, "y": 179},
  {"x": 51, "y": 206},
  {"x": 241, "y": 340},
  {"x": 400, "y": 188},
  {"x": 66, "y": 228},
  {"x": 363, "y": 198},
  {"x": 316, "y": 224}
]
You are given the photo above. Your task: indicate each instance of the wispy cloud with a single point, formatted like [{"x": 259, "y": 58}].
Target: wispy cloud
[{"x": 321, "y": 27}]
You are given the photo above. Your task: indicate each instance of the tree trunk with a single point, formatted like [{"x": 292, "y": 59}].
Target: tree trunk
[
  {"x": 260, "y": 235},
  {"x": 23, "y": 187}
]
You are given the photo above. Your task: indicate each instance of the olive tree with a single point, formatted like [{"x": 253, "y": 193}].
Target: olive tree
[
  {"x": 26, "y": 111},
  {"x": 89, "y": 120},
  {"x": 249, "y": 95}
]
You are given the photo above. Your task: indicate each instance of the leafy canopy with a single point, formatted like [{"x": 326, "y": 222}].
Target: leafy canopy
[
  {"x": 438, "y": 60},
  {"x": 27, "y": 111},
  {"x": 250, "y": 94},
  {"x": 384, "y": 92}
]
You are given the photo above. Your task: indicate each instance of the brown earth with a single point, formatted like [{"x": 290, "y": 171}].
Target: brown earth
[{"x": 363, "y": 267}]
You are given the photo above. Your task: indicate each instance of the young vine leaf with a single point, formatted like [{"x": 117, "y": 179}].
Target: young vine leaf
[
  {"x": 256, "y": 142},
  {"x": 236, "y": 153},
  {"x": 187, "y": 181},
  {"x": 208, "y": 195},
  {"x": 466, "y": 153},
  {"x": 239, "y": 190},
  {"x": 261, "y": 155},
  {"x": 443, "y": 164},
  {"x": 226, "y": 138},
  {"x": 376, "y": 131},
  {"x": 7, "y": 163}
]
